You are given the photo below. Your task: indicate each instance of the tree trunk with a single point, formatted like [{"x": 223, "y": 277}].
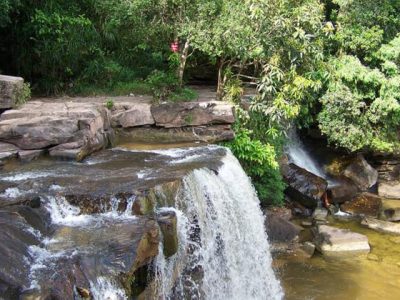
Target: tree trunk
[
  {"x": 220, "y": 84},
  {"x": 182, "y": 61}
]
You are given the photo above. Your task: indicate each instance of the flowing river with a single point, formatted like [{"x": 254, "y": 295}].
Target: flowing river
[{"x": 84, "y": 229}]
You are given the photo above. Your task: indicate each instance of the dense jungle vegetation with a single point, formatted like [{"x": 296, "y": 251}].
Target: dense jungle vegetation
[{"x": 332, "y": 64}]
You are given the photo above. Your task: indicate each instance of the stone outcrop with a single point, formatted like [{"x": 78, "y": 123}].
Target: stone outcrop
[
  {"x": 80, "y": 128},
  {"x": 365, "y": 204},
  {"x": 303, "y": 186},
  {"x": 361, "y": 173},
  {"x": 74, "y": 130},
  {"x": 382, "y": 226},
  {"x": 127, "y": 115},
  {"x": 333, "y": 241},
  {"x": 389, "y": 189},
  {"x": 10, "y": 90},
  {"x": 172, "y": 115}
]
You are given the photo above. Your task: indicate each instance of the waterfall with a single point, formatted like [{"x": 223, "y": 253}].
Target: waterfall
[
  {"x": 300, "y": 156},
  {"x": 224, "y": 251}
]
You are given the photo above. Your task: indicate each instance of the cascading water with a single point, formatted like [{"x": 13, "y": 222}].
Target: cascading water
[
  {"x": 300, "y": 157},
  {"x": 224, "y": 251}
]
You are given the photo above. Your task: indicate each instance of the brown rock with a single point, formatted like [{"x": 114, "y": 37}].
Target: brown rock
[
  {"x": 365, "y": 204},
  {"x": 361, "y": 173},
  {"x": 171, "y": 115},
  {"x": 303, "y": 186},
  {"x": 343, "y": 190}
]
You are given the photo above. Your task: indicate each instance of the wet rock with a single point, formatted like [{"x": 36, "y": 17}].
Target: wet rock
[
  {"x": 390, "y": 190},
  {"x": 7, "y": 151},
  {"x": 382, "y": 226},
  {"x": 303, "y": 186},
  {"x": 390, "y": 210},
  {"x": 373, "y": 257},
  {"x": 308, "y": 249},
  {"x": 132, "y": 115},
  {"x": 306, "y": 223},
  {"x": 168, "y": 224},
  {"x": 333, "y": 241},
  {"x": 361, "y": 173},
  {"x": 343, "y": 190},
  {"x": 206, "y": 134},
  {"x": 280, "y": 229},
  {"x": 171, "y": 115},
  {"x": 320, "y": 214},
  {"x": 10, "y": 91},
  {"x": 365, "y": 204},
  {"x": 29, "y": 155},
  {"x": 16, "y": 239},
  {"x": 143, "y": 205}
]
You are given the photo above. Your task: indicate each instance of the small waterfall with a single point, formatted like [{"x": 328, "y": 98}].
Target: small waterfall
[
  {"x": 224, "y": 251},
  {"x": 300, "y": 157}
]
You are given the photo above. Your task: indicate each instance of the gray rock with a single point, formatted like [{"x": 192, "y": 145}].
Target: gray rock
[
  {"x": 389, "y": 189},
  {"x": 29, "y": 155},
  {"x": 135, "y": 115},
  {"x": 333, "y": 241},
  {"x": 361, "y": 173},
  {"x": 10, "y": 90},
  {"x": 170, "y": 115},
  {"x": 320, "y": 214},
  {"x": 382, "y": 226},
  {"x": 39, "y": 125},
  {"x": 279, "y": 229},
  {"x": 308, "y": 248}
]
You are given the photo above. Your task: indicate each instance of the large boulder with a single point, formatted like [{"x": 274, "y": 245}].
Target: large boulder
[
  {"x": 389, "y": 189},
  {"x": 8, "y": 151},
  {"x": 279, "y": 229},
  {"x": 10, "y": 91},
  {"x": 365, "y": 204},
  {"x": 382, "y": 226},
  {"x": 132, "y": 115},
  {"x": 70, "y": 129},
  {"x": 333, "y": 241},
  {"x": 170, "y": 115},
  {"x": 303, "y": 186},
  {"x": 342, "y": 190},
  {"x": 361, "y": 173}
]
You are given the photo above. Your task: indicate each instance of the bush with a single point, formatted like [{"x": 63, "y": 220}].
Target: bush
[
  {"x": 163, "y": 84},
  {"x": 259, "y": 160}
]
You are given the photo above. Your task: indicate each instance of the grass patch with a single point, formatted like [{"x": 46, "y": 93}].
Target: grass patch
[{"x": 183, "y": 95}]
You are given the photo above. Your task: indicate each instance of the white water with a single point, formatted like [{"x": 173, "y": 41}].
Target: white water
[
  {"x": 300, "y": 157},
  {"x": 224, "y": 251}
]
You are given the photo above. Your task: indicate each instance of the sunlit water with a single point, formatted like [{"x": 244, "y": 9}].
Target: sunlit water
[{"x": 373, "y": 277}]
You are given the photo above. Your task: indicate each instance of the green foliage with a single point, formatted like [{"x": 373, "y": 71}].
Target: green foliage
[
  {"x": 162, "y": 84},
  {"x": 24, "y": 95},
  {"x": 258, "y": 148},
  {"x": 361, "y": 110},
  {"x": 109, "y": 104}
]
